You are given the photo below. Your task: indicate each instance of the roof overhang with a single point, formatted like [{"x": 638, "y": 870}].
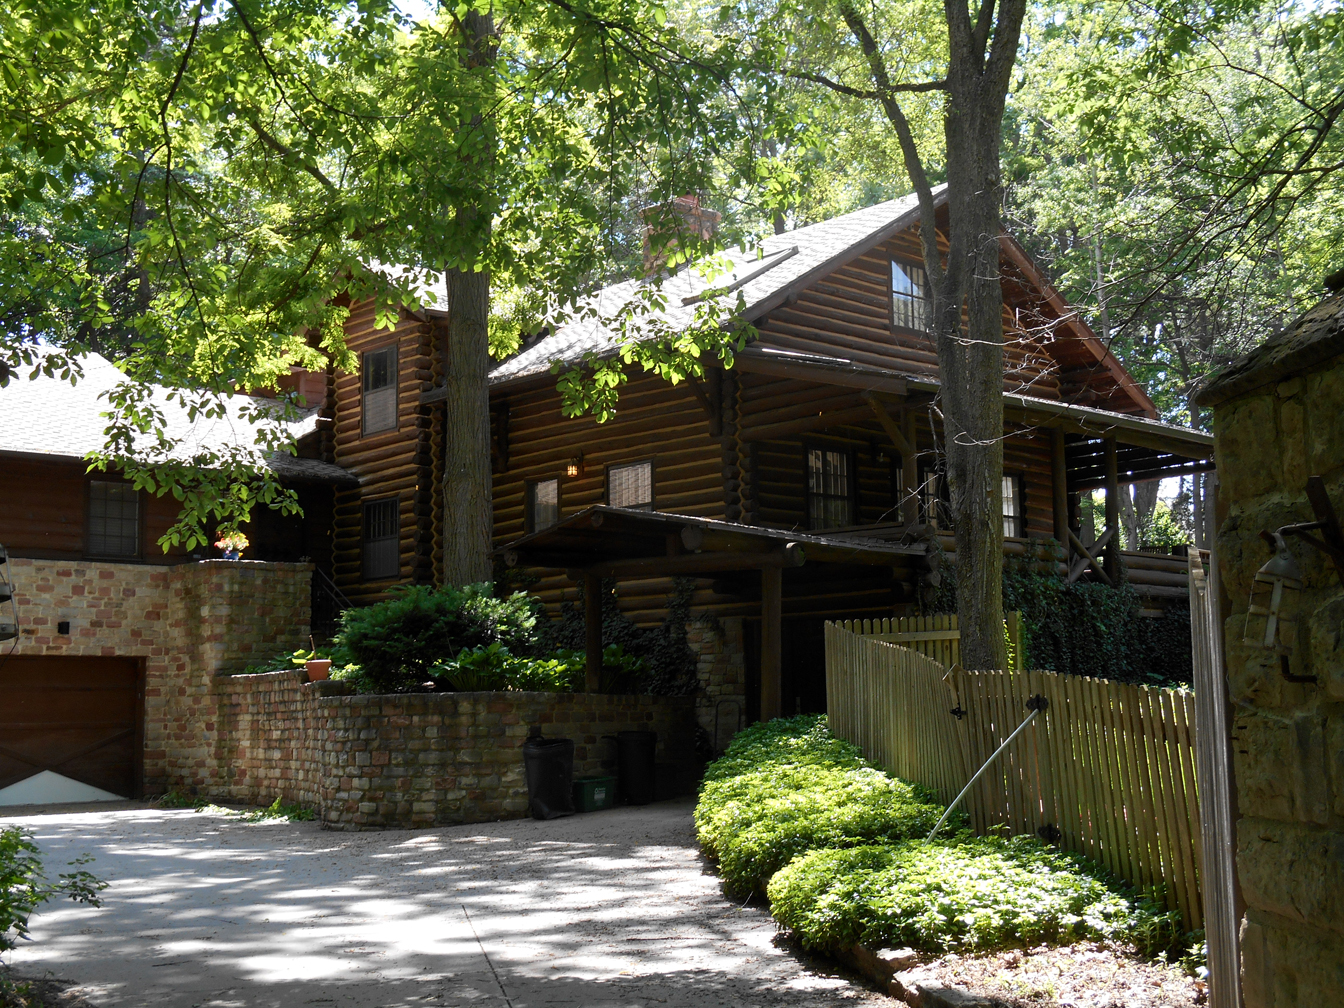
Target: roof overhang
[{"x": 622, "y": 542}]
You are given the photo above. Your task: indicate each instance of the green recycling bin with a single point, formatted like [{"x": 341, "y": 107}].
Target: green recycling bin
[{"x": 594, "y": 793}]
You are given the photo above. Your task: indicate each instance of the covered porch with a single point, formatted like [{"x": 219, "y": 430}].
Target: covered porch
[{"x": 602, "y": 542}]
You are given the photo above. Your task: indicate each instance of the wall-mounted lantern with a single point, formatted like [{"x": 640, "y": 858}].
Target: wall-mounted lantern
[
  {"x": 574, "y": 468},
  {"x": 1274, "y": 586}
]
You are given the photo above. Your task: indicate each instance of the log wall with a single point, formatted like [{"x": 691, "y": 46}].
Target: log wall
[{"x": 388, "y": 463}]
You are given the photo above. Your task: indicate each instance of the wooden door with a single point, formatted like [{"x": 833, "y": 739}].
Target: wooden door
[{"x": 79, "y": 717}]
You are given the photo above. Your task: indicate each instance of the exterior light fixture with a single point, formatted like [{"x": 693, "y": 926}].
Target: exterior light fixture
[
  {"x": 574, "y": 467},
  {"x": 1269, "y": 592}
]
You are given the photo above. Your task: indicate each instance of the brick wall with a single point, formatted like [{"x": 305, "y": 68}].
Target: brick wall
[
  {"x": 416, "y": 759},
  {"x": 187, "y": 623}
]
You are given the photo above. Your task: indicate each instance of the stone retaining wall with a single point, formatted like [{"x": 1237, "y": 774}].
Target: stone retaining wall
[{"x": 417, "y": 759}]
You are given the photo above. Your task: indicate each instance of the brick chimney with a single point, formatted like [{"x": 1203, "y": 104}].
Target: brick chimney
[{"x": 682, "y": 215}]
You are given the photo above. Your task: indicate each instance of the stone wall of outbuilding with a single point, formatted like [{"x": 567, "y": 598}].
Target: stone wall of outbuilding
[{"x": 1278, "y": 419}]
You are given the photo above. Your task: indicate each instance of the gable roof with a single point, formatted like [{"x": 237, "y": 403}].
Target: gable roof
[
  {"x": 49, "y": 417},
  {"x": 790, "y": 260}
]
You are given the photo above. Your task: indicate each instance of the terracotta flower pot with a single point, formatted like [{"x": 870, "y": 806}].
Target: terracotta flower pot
[{"x": 318, "y": 668}]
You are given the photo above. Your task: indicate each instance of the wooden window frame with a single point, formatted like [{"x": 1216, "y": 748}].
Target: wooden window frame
[
  {"x": 653, "y": 483},
  {"x": 851, "y": 479},
  {"x": 140, "y": 525},
  {"x": 364, "y": 539},
  {"x": 530, "y": 502},
  {"x": 1020, "y": 484},
  {"x": 395, "y": 349},
  {"x": 943, "y": 519},
  {"x": 891, "y": 296}
]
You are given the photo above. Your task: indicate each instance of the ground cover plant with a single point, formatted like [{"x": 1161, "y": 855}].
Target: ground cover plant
[
  {"x": 963, "y": 893},
  {"x": 24, "y": 886},
  {"x": 789, "y": 786},
  {"x": 839, "y": 848}
]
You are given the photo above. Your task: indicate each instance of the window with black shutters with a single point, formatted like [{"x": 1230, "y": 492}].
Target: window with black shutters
[
  {"x": 631, "y": 486},
  {"x": 379, "y": 405},
  {"x": 830, "y": 488},
  {"x": 909, "y": 296},
  {"x": 114, "y": 519},
  {"x": 1014, "y": 508},
  {"x": 382, "y": 539},
  {"x": 543, "y": 504}
]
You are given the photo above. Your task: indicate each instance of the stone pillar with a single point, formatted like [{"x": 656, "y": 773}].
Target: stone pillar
[{"x": 1278, "y": 419}]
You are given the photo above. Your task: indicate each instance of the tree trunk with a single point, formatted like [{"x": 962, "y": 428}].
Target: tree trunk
[{"x": 468, "y": 518}]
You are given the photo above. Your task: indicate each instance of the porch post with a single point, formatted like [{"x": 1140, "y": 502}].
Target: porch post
[
  {"x": 1061, "y": 490},
  {"x": 909, "y": 471},
  {"x": 592, "y": 625},
  {"x": 772, "y": 604},
  {"x": 1112, "y": 564}
]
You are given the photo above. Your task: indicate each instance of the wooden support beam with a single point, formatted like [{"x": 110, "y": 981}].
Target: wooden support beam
[
  {"x": 699, "y": 563},
  {"x": 772, "y": 608},
  {"x": 1112, "y": 512},
  {"x": 889, "y": 425},
  {"x": 592, "y": 639},
  {"x": 1089, "y": 557},
  {"x": 910, "y": 472},
  {"x": 1060, "y": 486},
  {"x": 706, "y": 401}
]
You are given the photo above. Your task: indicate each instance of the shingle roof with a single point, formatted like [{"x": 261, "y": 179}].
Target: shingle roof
[
  {"x": 49, "y": 416},
  {"x": 819, "y": 248},
  {"x": 1315, "y": 337}
]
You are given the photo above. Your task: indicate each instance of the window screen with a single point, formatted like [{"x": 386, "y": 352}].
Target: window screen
[
  {"x": 114, "y": 519},
  {"x": 631, "y": 486},
  {"x": 909, "y": 296},
  {"x": 380, "y": 390},
  {"x": 543, "y": 504},
  {"x": 829, "y": 497},
  {"x": 1014, "y": 514},
  {"x": 382, "y": 539}
]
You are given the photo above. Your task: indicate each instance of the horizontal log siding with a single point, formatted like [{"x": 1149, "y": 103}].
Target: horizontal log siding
[
  {"x": 848, "y": 314},
  {"x": 389, "y": 463}
]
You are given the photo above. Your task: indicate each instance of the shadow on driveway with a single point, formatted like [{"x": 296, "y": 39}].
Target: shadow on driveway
[{"x": 610, "y": 908}]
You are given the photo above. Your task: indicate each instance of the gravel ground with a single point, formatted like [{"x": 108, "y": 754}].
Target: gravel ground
[
  {"x": 1076, "y": 976},
  {"x": 611, "y": 908}
]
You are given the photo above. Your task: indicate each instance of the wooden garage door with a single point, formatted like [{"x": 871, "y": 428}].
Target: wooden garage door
[{"x": 75, "y": 716}]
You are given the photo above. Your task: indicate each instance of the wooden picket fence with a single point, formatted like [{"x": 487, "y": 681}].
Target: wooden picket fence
[{"x": 1107, "y": 770}]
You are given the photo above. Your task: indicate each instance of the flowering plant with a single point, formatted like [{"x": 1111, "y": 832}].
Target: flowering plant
[{"x": 232, "y": 542}]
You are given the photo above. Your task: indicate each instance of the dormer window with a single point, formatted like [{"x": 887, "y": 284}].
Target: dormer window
[{"x": 909, "y": 296}]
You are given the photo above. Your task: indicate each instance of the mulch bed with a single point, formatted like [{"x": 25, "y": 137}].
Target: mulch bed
[{"x": 1086, "y": 975}]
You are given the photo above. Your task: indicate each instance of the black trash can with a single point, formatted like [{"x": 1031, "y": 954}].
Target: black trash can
[
  {"x": 634, "y": 765},
  {"x": 549, "y": 763}
]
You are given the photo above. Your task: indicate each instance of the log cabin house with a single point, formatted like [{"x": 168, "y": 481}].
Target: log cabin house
[{"x": 802, "y": 483}]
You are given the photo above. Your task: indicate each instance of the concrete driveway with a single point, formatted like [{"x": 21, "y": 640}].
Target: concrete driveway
[{"x": 611, "y": 908}]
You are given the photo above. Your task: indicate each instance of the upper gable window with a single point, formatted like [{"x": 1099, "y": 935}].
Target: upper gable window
[
  {"x": 909, "y": 296},
  {"x": 631, "y": 486},
  {"x": 114, "y": 519},
  {"x": 380, "y": 390}
]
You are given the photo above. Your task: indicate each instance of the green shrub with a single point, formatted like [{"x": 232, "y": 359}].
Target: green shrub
[
  {"x": 24, "y": 885},
  {"x": 397, "y": 642},
  {"x": 788, "y": 787},
  {"x": 974, "y": 893}
]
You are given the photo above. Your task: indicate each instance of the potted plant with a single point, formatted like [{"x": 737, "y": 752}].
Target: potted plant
[{"x": 232, "y": 544}]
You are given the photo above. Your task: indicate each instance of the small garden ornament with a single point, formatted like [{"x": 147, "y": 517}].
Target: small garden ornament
[{"x": 232, "y": 544}]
